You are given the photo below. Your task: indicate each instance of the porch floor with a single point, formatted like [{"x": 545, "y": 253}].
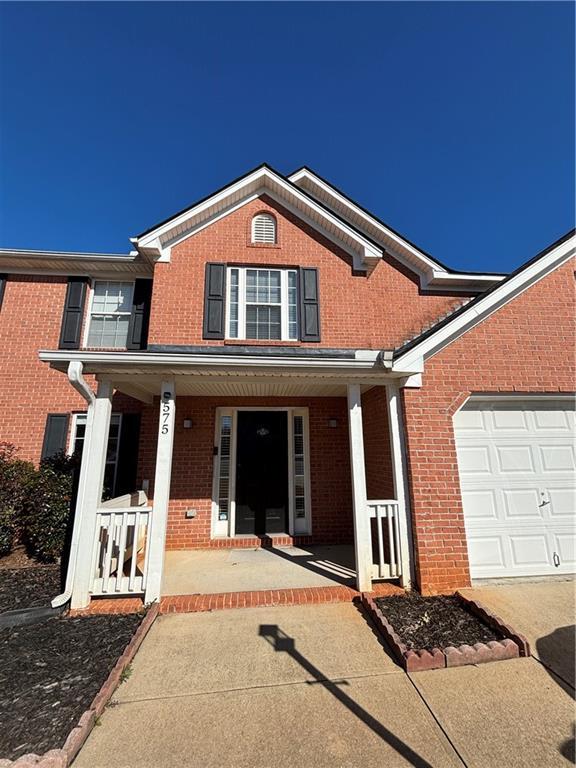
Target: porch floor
[{"x": 211, "y": 571}]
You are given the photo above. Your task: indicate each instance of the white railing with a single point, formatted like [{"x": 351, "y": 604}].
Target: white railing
[
  {"x": 120, "y": 557},
  {"x": 385, "y": 512}
]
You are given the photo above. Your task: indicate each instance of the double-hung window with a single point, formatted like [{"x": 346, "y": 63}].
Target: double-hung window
[
  {"x": 110, "y": 311},
  {"x": 262, "y": 304}
]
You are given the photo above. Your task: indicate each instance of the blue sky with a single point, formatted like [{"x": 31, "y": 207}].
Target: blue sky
[{"x": 453, "y": 122}]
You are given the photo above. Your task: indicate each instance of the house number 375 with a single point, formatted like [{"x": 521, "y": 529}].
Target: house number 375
[{"x": 165, "y": 416}]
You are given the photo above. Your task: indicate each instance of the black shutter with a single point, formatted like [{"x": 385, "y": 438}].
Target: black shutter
[
  {"x": 73, "y": 313},
  {"x": 309, "y": 305},
  {"x": 140, "y": 317},
  {"x": 127, "y": 454},
  {"x": 2, "y": 288},
  {"x": 214, "y": 301},
  {"x": 55, "y": 434}
]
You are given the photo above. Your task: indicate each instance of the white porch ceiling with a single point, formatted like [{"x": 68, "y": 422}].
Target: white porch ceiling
[{"x": 192, "y": 386}]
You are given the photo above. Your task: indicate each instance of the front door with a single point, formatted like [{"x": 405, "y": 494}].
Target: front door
[{"x": 262, "y": 472}]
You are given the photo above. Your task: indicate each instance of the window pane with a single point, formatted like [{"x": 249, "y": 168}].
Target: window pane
[
  {"x": 274, "y": 280},
  {"x": 263, "y": 322},
  {"x": 292, "y": 306},
  {"x": 251, "y": 285},
  {"x": 234, "y": 296}
]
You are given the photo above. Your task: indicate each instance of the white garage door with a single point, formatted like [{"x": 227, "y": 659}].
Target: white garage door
[{"x": 517, "y": 474}]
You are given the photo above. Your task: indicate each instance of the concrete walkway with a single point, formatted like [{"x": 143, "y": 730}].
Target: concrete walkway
[
  {"x": 312, "y": 686},
  {"x": 544, "y": 611}
]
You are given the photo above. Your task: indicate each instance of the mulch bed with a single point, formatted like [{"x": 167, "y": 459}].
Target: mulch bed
[
  {"x": 434, "y": 622},
  {"x": 49, "y": 675},
  {"x": 30, "y": 587}
]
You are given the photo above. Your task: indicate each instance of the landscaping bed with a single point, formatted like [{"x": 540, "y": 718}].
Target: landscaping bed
[
  {"x": 433, "y": 622},
  {"x": 50, "y": 674},
  {"x": 28, "y": 587},
  {"x": 442, "y": 631}
]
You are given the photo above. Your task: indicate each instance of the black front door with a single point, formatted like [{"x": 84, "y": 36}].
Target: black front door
[{"x": 262, "y": 472}]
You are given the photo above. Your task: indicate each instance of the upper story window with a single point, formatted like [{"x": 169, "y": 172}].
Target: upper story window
[
  {"x": 262, "y": 304},
  {"x": 109, "y": 316},
  {"x": 264, "y": 229}
]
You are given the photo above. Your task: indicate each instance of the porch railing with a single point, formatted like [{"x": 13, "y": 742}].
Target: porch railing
[
  {"x": 120, "y": 556},
  {"x": 388, "y": 563}
]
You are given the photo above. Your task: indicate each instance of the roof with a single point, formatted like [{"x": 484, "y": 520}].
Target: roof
[
  {"x": 23, "y": 261},
  {"x": 466, "y": 317},
  {"x": 350, "y": 225}
]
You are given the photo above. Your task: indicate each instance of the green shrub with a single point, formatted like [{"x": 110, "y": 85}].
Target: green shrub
[
  {"x": 15, "y": 475},
  {"x": 47, "y": 506}
]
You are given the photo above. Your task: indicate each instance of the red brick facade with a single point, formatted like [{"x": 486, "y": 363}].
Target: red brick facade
[
  {"x": 360, "y": 311},
  {"x": 527, "y": 346}
]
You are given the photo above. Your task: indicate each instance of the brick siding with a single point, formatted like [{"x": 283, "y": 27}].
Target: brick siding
[{"x": 527, "y": 346}]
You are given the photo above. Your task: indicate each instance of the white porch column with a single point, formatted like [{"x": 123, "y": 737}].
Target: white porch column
[
  {"x": 399, "y": 469},
  {"x": 90, "y": 490},
  {"x": 159, "y": 516},
  {"x": 362, "y": 535}
]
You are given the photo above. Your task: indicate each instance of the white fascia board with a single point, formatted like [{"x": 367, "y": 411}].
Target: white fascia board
[
  {"x": 202, "y": 361},
  {"x": 263, "y": 180},
  {"x": 72, "y": 255},
  {"x": 428, "y": 270},
  {"x": 485, "y": 307}
]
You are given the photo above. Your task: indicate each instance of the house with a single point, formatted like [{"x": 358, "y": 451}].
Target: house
[{"x": 275, "y": 365}]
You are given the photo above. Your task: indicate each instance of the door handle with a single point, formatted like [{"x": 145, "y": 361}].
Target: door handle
[{"x": 556, "y": 559}]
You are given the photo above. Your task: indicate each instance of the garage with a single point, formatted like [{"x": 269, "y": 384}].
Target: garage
[{"x": 517, "y": 465}]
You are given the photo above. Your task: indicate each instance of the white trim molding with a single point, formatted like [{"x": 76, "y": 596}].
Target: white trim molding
[{"x": 155, "y": 245}]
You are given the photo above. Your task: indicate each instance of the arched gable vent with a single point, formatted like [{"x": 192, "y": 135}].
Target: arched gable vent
[{"x": 263, "y": 228}]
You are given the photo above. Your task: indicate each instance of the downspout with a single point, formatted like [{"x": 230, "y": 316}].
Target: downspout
[{"x": 78, "y": 382}]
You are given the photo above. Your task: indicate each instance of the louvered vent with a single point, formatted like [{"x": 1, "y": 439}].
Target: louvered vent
[{"x": 263, "y": 228}]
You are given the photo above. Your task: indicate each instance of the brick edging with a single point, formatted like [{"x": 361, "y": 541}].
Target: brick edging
[
  {"x": 61, "y": 758},
  {"x": 495, "y": 622},
  {"x": 513, "y": 645}
]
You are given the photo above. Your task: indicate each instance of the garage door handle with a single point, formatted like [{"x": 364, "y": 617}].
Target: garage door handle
[{"x": 556, "y": 559}]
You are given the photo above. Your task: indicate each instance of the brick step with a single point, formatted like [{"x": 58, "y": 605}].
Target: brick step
[{"x": 222, "y": 600}]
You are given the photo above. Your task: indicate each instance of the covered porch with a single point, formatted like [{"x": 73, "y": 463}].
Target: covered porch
[{"x": 180, "y": 535}]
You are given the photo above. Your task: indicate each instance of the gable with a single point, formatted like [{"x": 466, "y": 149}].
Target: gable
[{"x": 411, "y": 355}]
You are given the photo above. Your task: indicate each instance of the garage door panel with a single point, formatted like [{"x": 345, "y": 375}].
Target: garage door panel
[
  {"x": 506, "y": 419},
  {"x": 557, "y": 458},
  {"x": 564, "y": 544},
  {"x": 517, "y": 465},
  {"x": 529, "y": 550},
  {"x": 475, "y": 459},
  {"x": 552, "y": 419},
  {"x": 515, "y": 459},
  {"x": 562, "y": 502},
  {"x": 480, "y": 505},
  {"x": 522, "y": 503},
  {"x": 487, "y": 553}
]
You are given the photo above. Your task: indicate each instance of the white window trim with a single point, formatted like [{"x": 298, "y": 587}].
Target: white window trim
[
  {"x": 226, "y": 528},
  {"x": 284, "y": 307},
  {"x": 72, "y": 439},
  {"x": 88, "y": 317}
]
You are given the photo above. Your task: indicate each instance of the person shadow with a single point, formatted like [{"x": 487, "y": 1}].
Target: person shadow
[{"x": 557, "y": 653}]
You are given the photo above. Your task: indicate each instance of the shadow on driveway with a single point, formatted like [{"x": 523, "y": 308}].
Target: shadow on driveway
[
  {"x": 281, "y": 642},
  {"x": 556, "y": 652}
]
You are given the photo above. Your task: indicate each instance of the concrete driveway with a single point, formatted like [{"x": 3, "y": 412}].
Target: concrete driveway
[
  {"x": 545, "y": 612},
  {"x": 312, "y": 686}
]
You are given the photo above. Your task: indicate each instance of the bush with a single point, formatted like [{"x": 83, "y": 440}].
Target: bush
[
  {"x": 15, "y": 475},
  {"x": 47, "y": 507}
]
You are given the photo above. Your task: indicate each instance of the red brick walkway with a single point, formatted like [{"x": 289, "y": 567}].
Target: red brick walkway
[{"x": 219, "y": 601}]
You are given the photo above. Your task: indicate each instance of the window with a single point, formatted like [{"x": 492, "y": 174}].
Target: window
[
  {"x": 262, "y": 304},
  {"x": 110, "y": 311},
  {"x": 264, "y": 229},
  {"x": 77, "y": 446}
]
